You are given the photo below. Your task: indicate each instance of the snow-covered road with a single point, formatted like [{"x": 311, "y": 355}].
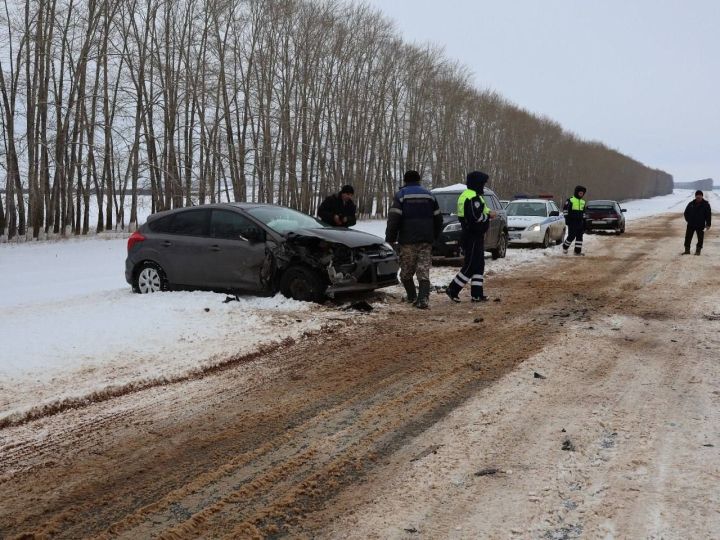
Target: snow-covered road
[{"x": 70, "y": 326}]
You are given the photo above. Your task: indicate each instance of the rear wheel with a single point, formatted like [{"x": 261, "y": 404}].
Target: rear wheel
[
  {"x": 562, "y": 237},
  {"x": 302, "y": 283},
  {"x": 501, "y": 249},
  {"x": 149, "y": 279}
]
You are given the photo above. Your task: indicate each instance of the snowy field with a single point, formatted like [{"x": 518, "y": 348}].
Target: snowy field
[{"x": 71, "y": 327}]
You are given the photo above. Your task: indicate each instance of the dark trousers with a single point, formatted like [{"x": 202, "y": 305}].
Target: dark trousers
[
  {"x": 689, "y": 234},
  {"x": 473, "y": 268},
  {"x": 575, "y": 232}
]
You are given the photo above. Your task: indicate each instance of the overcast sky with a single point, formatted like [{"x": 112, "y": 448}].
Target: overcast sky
[{"x": 641, "y": 76}]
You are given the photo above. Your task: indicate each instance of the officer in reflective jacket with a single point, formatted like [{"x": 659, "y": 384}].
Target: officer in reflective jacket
[
  {"x": 574, "y": 212},
  {"x": 474, "y": 216}
]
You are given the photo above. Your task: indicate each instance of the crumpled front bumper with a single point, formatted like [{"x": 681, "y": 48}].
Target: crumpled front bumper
[{"x": 364, "y": 273}]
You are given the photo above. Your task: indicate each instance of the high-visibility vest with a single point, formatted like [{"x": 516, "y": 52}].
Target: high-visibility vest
[
  {"x": 469, "y": 194},
  {"x": 577, "y": 205}
]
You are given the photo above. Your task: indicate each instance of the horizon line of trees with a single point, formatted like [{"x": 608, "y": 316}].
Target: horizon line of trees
[{"x": 278, "y": 101}]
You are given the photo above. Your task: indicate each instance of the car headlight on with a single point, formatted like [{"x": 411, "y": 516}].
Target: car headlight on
[
  {"x": 534, "y": 228},
  {"x": 453, "y": 227}
]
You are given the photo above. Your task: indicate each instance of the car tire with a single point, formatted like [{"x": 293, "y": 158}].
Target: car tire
[
  {"x": 303, "y": 284},
  {"x": 501, "y": 250},
  {"x": 562, "y": 237},
  {"x": 546, "y": 240},
  {"x": 150, "y": 278}
]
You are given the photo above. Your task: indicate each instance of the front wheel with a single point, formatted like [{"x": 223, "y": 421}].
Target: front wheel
[
  {"x": 501, "y": 249},
  {"x": 150, "y": 279},
  {"x": 302, "y": 283},
  {"x": 546, "y": 240}
]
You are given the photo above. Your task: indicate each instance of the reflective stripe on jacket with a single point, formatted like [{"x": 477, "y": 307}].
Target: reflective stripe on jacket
[
  {"x": 473, "y": 213},
  {"x": 574, "y": 210}
]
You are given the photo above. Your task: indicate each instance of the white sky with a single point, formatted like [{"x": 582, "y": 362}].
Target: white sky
[{"x": 641, "y": 76}]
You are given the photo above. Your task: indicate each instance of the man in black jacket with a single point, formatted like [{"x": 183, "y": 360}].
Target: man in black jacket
[
  {"x": 414, "y": 221},
  {"x": 338, "y": 210},
  {"x": 698, "y": 217}
]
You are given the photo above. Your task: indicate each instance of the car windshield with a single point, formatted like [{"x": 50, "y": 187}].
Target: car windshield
[
  {"x": 284, "y": 220},
  {"x": 601, "y": 207},
  {"x": 447, "y": 202},
  {"x": 526, "y": 209}
]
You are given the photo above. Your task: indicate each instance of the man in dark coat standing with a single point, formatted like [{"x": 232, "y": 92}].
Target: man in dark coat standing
[
  {"x": 338, "y": 210},
  {"x": 414, "y": 221},
  {"x": 698, "y": 217}
]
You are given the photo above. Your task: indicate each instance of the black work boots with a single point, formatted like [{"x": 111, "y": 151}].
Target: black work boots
[
  {"x": 409, "y": 285},
  {"x": 423, "y": 298}
]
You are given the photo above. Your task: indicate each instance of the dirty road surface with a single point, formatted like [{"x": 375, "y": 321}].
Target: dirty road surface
[{"x": 581, "y": 401}]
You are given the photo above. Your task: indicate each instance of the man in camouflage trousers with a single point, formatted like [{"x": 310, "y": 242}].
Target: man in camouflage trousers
[{"x": 414, "y": 221}]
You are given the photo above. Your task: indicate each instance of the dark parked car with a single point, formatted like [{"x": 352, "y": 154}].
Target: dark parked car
[
  {"x": 448, "y": 244},
  {"x": 604, "y": 216},
  {"x": 258, "y": 248}
]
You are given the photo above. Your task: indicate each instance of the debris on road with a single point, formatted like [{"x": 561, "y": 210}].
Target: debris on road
[
  {"x": 490, "y": 471},
  {"x": 568, "y": 445}
]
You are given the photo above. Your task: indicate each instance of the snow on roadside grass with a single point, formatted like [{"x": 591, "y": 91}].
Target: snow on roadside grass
[{"x": 114, "y": 339}]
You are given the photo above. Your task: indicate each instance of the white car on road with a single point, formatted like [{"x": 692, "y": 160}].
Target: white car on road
[{"x": 535, "y": 222}]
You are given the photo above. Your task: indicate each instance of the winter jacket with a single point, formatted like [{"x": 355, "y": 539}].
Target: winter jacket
[
  {"x": 334, "y": 206},
  {"x": 698, "y": 215},
  {"x": 414, "y": 216},
  {"x": 473, "y": 214},
  {"x": 574, "y": 208}
]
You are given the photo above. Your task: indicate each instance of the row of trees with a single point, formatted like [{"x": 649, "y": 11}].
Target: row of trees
[{"x": 280, "y": 101}]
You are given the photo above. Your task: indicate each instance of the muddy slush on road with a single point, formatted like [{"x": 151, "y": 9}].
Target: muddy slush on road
[{"x": 583, "y": 401}]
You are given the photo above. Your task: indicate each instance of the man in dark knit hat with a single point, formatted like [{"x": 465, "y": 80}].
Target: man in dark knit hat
[
  {"x": 698, "y": 217},
  {"x": 414, "y": 221},
  {"x": 474, "y": 216},
  {"x": 338, "y": 210}
]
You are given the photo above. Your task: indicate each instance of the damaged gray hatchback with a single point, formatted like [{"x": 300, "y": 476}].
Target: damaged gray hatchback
[{"x": 257, "y": 248}]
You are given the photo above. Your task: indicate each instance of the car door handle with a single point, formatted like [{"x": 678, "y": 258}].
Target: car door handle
[
  {"x": 167, "y": 243},
  {"x": 215, "y": 248}
]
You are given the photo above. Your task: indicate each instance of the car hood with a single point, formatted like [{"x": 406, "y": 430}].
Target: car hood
[
  {"x": 348, "y": 237},
  {"x": 524, "y": 221}
]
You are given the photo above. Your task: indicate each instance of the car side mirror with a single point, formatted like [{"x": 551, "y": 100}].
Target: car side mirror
[
  {"x": 255, "y": 235},
  {"x": 554, "y": 213},
  {"x": 623, "y": 209}
]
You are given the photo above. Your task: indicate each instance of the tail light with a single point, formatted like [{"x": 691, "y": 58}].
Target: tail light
[{"x": 134, "y": 239}]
